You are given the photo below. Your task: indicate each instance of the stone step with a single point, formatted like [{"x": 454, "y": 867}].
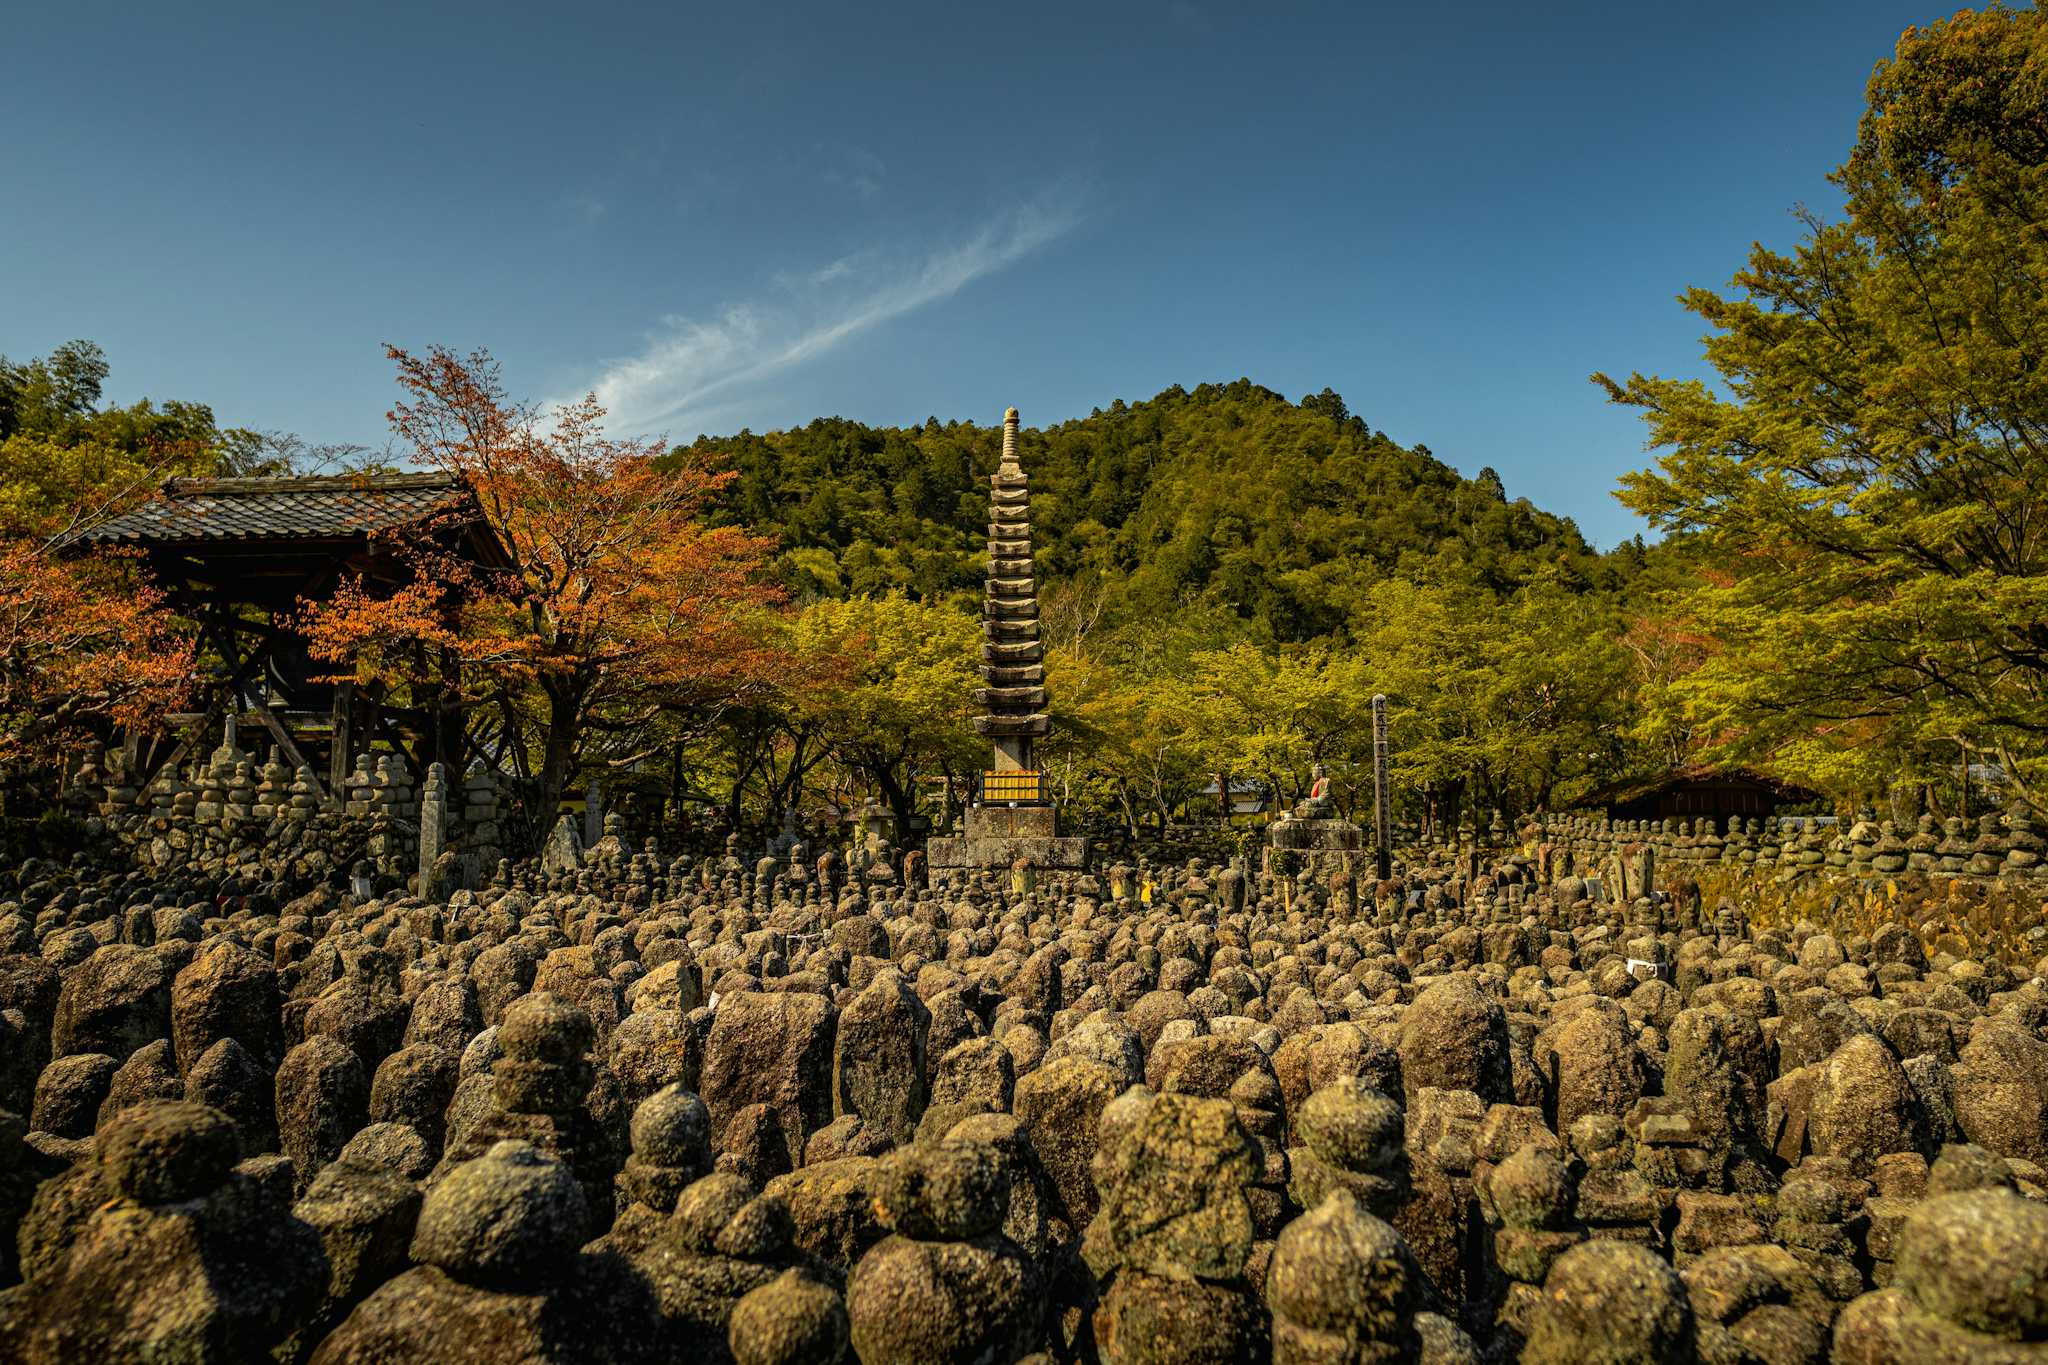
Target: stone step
[
  {"x": 1012, "y": 653},
  {"x": 1007, "y": 699},
  {"x": 1008, "y": 727}
]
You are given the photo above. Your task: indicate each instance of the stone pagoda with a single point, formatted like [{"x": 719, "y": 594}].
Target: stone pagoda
[{"x": 1011, "y": 816}]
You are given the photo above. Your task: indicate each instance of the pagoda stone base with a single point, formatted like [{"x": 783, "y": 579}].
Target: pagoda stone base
[{"x": 997, "y": 836}]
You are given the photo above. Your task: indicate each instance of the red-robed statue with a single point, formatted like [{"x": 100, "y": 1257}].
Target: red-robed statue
[{"x": 1317, "y": 806}]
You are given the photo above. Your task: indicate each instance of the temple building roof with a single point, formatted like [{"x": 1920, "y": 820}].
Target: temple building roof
[{"x": 322, "y": 508}]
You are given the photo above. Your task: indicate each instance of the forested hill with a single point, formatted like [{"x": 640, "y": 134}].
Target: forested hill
[{"x": 1227, "y": 499}]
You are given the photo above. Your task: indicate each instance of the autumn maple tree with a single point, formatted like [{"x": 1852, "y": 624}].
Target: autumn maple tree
[
  {"x": 86, "y": 648},
  {"x": 614, "y": 605},
  {"x": 83, "y": 651}
]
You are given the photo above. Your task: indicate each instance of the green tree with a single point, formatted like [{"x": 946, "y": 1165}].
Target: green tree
[
  {"x": 1123, "y": 742},
  {"x": 901, "y": 708},
  {"x": 1501, "y": 702},
  {"x": 1873, "y": 474},
  {"x": 1272, "y": 713},
  {"x": 1222, "y": 498},
  {"x": 68, "y": 460}
]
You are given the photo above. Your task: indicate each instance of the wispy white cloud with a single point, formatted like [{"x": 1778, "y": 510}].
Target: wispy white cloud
[
  {"x": 839, "y": 269},
  {"x": 687, "y": 361},
  {"x": 799, "y": 283},
  {"x": 859, "y": 170},
  {"x": 587, "y": 207}
]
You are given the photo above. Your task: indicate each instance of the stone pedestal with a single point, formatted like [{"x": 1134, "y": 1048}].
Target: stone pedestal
[
  {"x": 997, "y": 836},
  {"x": 1325, "y": 846}
]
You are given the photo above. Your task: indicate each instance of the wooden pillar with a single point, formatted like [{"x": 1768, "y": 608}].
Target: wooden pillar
[
  {"x": 340, "y": 757},
  {"x": 453, "y": 746}
]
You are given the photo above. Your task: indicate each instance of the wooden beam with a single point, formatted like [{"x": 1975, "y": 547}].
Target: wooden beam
[
  {"x": 201, "y": 723},
  {"x": 239, "y": 666},
  {"x": 412, "y": 762}
]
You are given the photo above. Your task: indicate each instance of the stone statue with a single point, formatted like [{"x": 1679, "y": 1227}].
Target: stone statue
[
  {"x": 1317, "y": 806},
  {"x": 788, "y": 837}
]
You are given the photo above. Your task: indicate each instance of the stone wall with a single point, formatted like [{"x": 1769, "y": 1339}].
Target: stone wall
[
  {"x": 231, "y": 813},
  {"x": 1627, "y": 855}
]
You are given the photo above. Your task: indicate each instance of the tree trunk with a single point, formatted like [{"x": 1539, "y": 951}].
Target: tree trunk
[
  {"x": 558, "y": 762},
  {"x": 732, "y": 801},
  {"x": 899, "y": 799}
]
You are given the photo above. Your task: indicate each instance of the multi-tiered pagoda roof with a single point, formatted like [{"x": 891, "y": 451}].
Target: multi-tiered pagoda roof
[{"x": 1012, "y": 656}]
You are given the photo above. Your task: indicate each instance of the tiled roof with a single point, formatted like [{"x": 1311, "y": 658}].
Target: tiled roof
[{"x": 281, "y": 508}]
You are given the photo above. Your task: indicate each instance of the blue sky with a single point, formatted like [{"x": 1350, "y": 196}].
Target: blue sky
[{"x": 726, "y": 216}]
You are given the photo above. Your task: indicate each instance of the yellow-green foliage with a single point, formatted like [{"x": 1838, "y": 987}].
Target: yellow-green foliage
[{"x": 1864, "y": 477}]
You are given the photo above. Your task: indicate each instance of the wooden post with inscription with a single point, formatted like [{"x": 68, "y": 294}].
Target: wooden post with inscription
[{"x": 1382, "y": 799}]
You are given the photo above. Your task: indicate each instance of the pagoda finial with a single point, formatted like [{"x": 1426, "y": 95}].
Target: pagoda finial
[{"x": 1009, "y": 436}]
